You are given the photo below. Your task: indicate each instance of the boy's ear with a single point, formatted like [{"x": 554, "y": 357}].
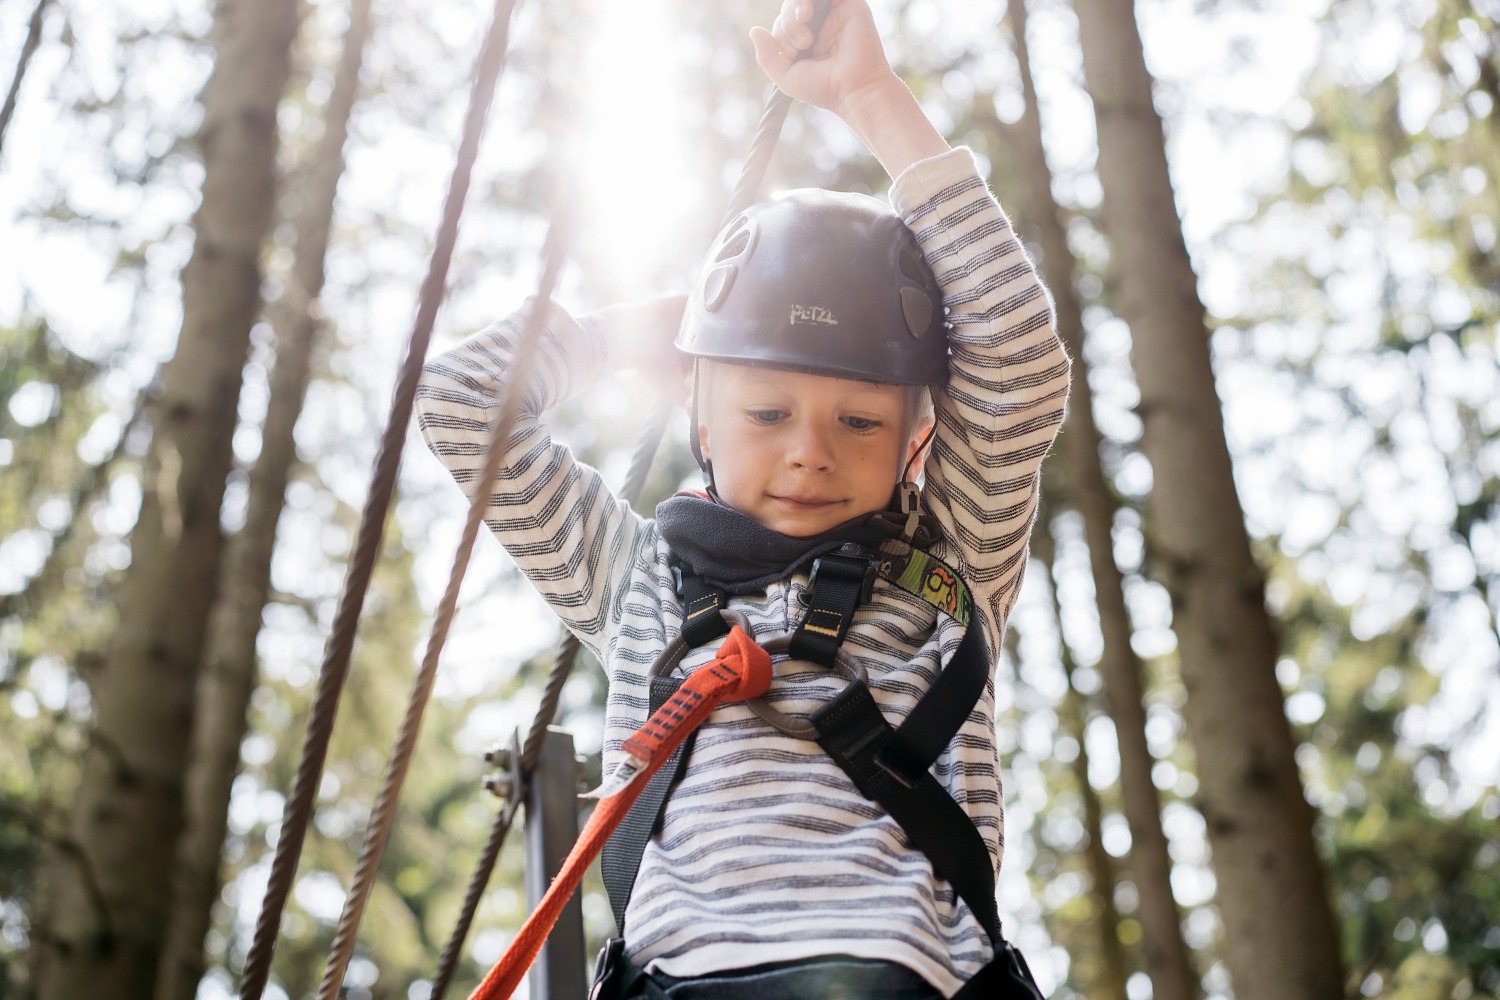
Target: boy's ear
[
  {"x": 703, "y": 442},
  {"x": 917, "y": 448}
]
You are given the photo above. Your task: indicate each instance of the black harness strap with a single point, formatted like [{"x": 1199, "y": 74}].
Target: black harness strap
[
  {"x": 893, "y": 771},
  {"x": 701, "y": 603},
  {"x": 838, "y": 584},
  {"x": 620, "y": 860}
]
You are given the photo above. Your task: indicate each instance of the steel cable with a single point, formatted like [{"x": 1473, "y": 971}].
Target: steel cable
[{"x": 336, "y": 655}]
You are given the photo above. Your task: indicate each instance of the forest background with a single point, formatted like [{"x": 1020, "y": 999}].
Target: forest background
[{"x": 1334, "y": 169}]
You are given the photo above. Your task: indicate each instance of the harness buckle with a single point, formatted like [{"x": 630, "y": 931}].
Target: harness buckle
[
  {"x": 851, "y": 563},
  {"x": 911, "y": 506},
  {"x": 895, "y": 759}
]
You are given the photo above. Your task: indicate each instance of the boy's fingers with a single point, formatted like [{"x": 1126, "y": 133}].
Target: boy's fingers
[
  {"x": 791, "y": 32},
  {"x": 769, "y": 53}
]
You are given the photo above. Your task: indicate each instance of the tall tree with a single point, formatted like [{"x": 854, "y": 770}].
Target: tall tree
[
  {"x": 1280, "y": 939},
  {"x": 1166, "y": 955},
  {"x": 110, "y": 877},
  {"x": 229, "y": 674},
  {"x": 1112, "y": 970}
]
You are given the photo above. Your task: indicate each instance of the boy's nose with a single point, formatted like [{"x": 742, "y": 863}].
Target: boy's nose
[{"x": 810, "y": 450}]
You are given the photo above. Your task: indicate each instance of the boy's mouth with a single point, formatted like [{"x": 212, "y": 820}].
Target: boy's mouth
[{"x": 805, "y": 501}]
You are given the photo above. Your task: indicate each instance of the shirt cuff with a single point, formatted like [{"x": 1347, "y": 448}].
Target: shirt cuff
[{"x": 924, "y": 180}]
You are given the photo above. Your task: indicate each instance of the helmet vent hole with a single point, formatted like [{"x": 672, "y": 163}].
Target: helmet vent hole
[
  {"x": 716, "y": 286},
  {"x": 914, "y": 268},
  {"x": 734, "y": 245},
  {"x": 916, "y": 307}
]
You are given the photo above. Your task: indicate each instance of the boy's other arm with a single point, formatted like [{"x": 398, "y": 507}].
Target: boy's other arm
[
  {"x": 567, "y": 532},
  {"x": 845, "y": 70}
]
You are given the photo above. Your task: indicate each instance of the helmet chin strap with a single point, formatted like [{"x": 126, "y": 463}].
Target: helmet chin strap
[
  {"x": 908, "y": 496},
  {"x": 704, "y": 464}
]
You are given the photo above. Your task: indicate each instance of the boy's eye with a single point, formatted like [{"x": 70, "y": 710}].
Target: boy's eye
[
  {"x": 861, "y": 423},
  {"x": 765, "y": 416}
]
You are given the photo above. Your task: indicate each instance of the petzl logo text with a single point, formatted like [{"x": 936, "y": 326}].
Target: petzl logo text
[{"x": 813, "y": 315}]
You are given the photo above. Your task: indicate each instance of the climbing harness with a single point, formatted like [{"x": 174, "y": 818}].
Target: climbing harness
[{"x": 890, "y": 765}]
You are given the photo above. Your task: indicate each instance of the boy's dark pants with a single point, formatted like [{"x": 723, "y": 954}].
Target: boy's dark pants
[{"x": 836, "y": 977}]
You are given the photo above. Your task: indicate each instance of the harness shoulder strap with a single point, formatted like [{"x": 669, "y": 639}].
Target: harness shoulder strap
[
  {"x": 891, "y": 768},
  {"x": 620, "y": 860}
]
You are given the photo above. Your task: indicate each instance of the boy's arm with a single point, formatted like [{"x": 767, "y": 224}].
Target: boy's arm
[
  {"x": 1008, "y": 376},
  {"x": 1008, "y": 383},
  {"x": 567, "y": 532}
]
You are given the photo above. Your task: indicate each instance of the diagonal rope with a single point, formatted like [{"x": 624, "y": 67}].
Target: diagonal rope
[
  {"x": 336, "y": 655},
  {"x": 746, "y": 191},
  {"x": 562, "y": 669},
  {"x": 383, "y": 816}
]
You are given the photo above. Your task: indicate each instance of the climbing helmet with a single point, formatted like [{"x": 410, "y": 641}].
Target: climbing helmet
[{"x": 821, "y": 282}]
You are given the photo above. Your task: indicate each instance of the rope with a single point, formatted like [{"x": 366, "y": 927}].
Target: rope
[
  {"x": 753, "y": 170},
  {"x": 746, "y": 191},
  {"x": 336, "y": 655},
  {"x": 383, "y": 816}
]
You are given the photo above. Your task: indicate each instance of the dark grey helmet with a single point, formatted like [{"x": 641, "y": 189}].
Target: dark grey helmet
[{"x": 821, "y": 282}]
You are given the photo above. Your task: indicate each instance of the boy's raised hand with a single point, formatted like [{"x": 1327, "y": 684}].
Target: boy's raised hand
[
  {"x": 844, "y": 63},
  {"x": 845, "y": 70}
]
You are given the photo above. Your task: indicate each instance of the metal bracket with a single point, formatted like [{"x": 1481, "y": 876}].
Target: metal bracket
[{"x": 508, "y": 782}]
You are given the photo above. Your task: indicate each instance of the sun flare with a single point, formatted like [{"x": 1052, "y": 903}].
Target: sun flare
[{"x": 637, "y": 184}]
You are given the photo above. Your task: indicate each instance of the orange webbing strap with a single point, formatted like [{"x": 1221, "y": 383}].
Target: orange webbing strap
[{"x": 741, "y": 670}]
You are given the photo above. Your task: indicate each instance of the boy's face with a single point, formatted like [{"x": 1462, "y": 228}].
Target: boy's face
[{"x": 803, "y": 453}]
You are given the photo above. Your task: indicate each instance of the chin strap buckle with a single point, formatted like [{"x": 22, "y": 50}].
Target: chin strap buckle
[{"x": 910, "y": 499}]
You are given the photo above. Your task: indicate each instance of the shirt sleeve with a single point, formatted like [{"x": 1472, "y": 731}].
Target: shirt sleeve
[
  {"x": 565, "y": 529},
  {"x": 1008, "y": 379}
]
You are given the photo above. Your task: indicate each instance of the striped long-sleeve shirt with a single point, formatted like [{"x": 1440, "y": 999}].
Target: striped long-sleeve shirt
[{"x": 767, "y": 852}]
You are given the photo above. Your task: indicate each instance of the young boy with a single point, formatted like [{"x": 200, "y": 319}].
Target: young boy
[{"x": 771, "y": 872}]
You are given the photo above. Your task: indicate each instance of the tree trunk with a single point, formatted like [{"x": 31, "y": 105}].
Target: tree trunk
[
  {"x": 1280, "y": 938},
  {"x": 1073, "y": 714},
  {"x": 229, "y": 677},
  {"x": 1167, "y": 959},
  {"x": 110, "y": 876}
]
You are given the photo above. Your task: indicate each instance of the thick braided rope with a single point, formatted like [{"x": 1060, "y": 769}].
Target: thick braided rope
[
  {"x": 478, "y": 882},
  {"x": 336, "y": 655},
  {"x": 383, "y": 816},
  {"x": 767, "y": 132}
]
